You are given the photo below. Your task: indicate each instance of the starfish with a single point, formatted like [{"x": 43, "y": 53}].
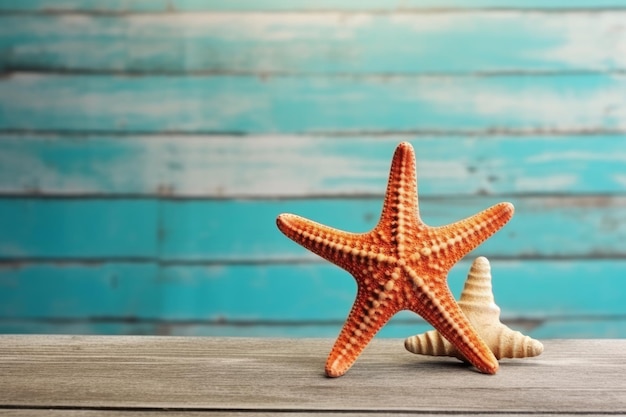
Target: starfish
[
  {"x": 401, "y": 264},
  {"x": 478, "y": 304}
]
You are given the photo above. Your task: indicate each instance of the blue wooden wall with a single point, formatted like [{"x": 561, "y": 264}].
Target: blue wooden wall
[{"x": 146, "y": 148}]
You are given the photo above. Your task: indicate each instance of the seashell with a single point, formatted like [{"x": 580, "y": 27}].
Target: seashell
[{"x": 478, "y": 304}]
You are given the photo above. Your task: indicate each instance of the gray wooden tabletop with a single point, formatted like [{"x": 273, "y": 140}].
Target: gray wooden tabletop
[{"x": 150, "y": 376}]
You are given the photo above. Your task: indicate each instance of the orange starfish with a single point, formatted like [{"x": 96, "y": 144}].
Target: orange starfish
[{"x": 401, "y": 264}]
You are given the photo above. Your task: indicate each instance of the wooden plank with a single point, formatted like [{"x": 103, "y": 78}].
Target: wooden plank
[
  {"x": 245, "y": 230},
  {"x": 322, "y": 42},
  {"x": 28, "y": 412},
  {"x": 133, "y": 372},
  {"x": 60, "y": 228},
  {"x": 312, "y": 104},
  {"x": 304, "y": 166},
  {"x": 186, "y": 413},
  {"x": 183, "y": 413},
  {"x": 542, "y": 226},
  {"x": 142, "y": 6},
  {"x": 286, "y": 295}
]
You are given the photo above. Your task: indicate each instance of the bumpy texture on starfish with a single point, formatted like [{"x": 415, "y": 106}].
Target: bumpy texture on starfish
[
  {"x": 401, "y": 264},
  {"x": 479, "y": 306}
]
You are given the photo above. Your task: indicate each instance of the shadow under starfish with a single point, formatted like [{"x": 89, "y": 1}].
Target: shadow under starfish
[{"x": 401, "y": 264}]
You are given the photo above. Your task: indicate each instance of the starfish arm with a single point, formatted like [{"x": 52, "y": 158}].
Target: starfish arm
[
  {"x": 463, "y": 236},
  {"x": 327, "y": 242},
  {"x": 430, "y": 343},
  {"x": 364, "y": 321},
  {"x": 509, "y": 343},
  {"x": 401, "y": 195},
  {"x": 448, "y": 319}
]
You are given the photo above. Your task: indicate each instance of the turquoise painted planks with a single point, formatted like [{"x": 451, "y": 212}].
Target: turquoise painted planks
[
  {"x": 305, "y": 166},
  {"x": 61, "y": 228},
  {"x": 286, "y": 293},
  {"x": 329, "y": 42},
  {"x": 80, "y": 291},
  {"x": 244, "y": 231},
  {"x": 140, "y": 291},
  {"x": 315, "y": 104},
  {"x": 176, "y": 230},
  {"x": 118, "y": 6}
]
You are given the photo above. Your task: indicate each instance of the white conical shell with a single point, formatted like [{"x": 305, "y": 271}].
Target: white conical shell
[{"x": 478, "y": 304}]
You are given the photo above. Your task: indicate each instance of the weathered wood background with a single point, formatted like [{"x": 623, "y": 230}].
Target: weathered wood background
[{"x": 147, "y": 147}]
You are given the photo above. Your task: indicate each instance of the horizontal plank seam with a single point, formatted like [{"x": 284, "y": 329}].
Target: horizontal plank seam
[
  {"x": 11, "y": 69},
  {"x": 570, "y": 198},
  {"x": 374, "y": 11},
  {"x": 253, "y": 323},
  {"x": 221, "y": 322},
  {"x": 484, "y": 134},
  {"x": 517, "y": 132},
  {"x": 527, "y": 321}
]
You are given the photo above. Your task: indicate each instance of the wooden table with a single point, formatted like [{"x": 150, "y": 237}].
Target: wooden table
[{"x": 151, "y": 376}]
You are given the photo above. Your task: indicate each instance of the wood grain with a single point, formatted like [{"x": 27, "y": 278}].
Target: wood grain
[
  {"x": 287, "y": 104},
  {"x": 258, "y": 166},
  {"x": 327, "y": 42},
  {"x": 279, "y": 374}
]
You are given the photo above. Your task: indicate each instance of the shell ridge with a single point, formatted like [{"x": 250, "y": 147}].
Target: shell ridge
[{"x": 478, "y": 304}]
